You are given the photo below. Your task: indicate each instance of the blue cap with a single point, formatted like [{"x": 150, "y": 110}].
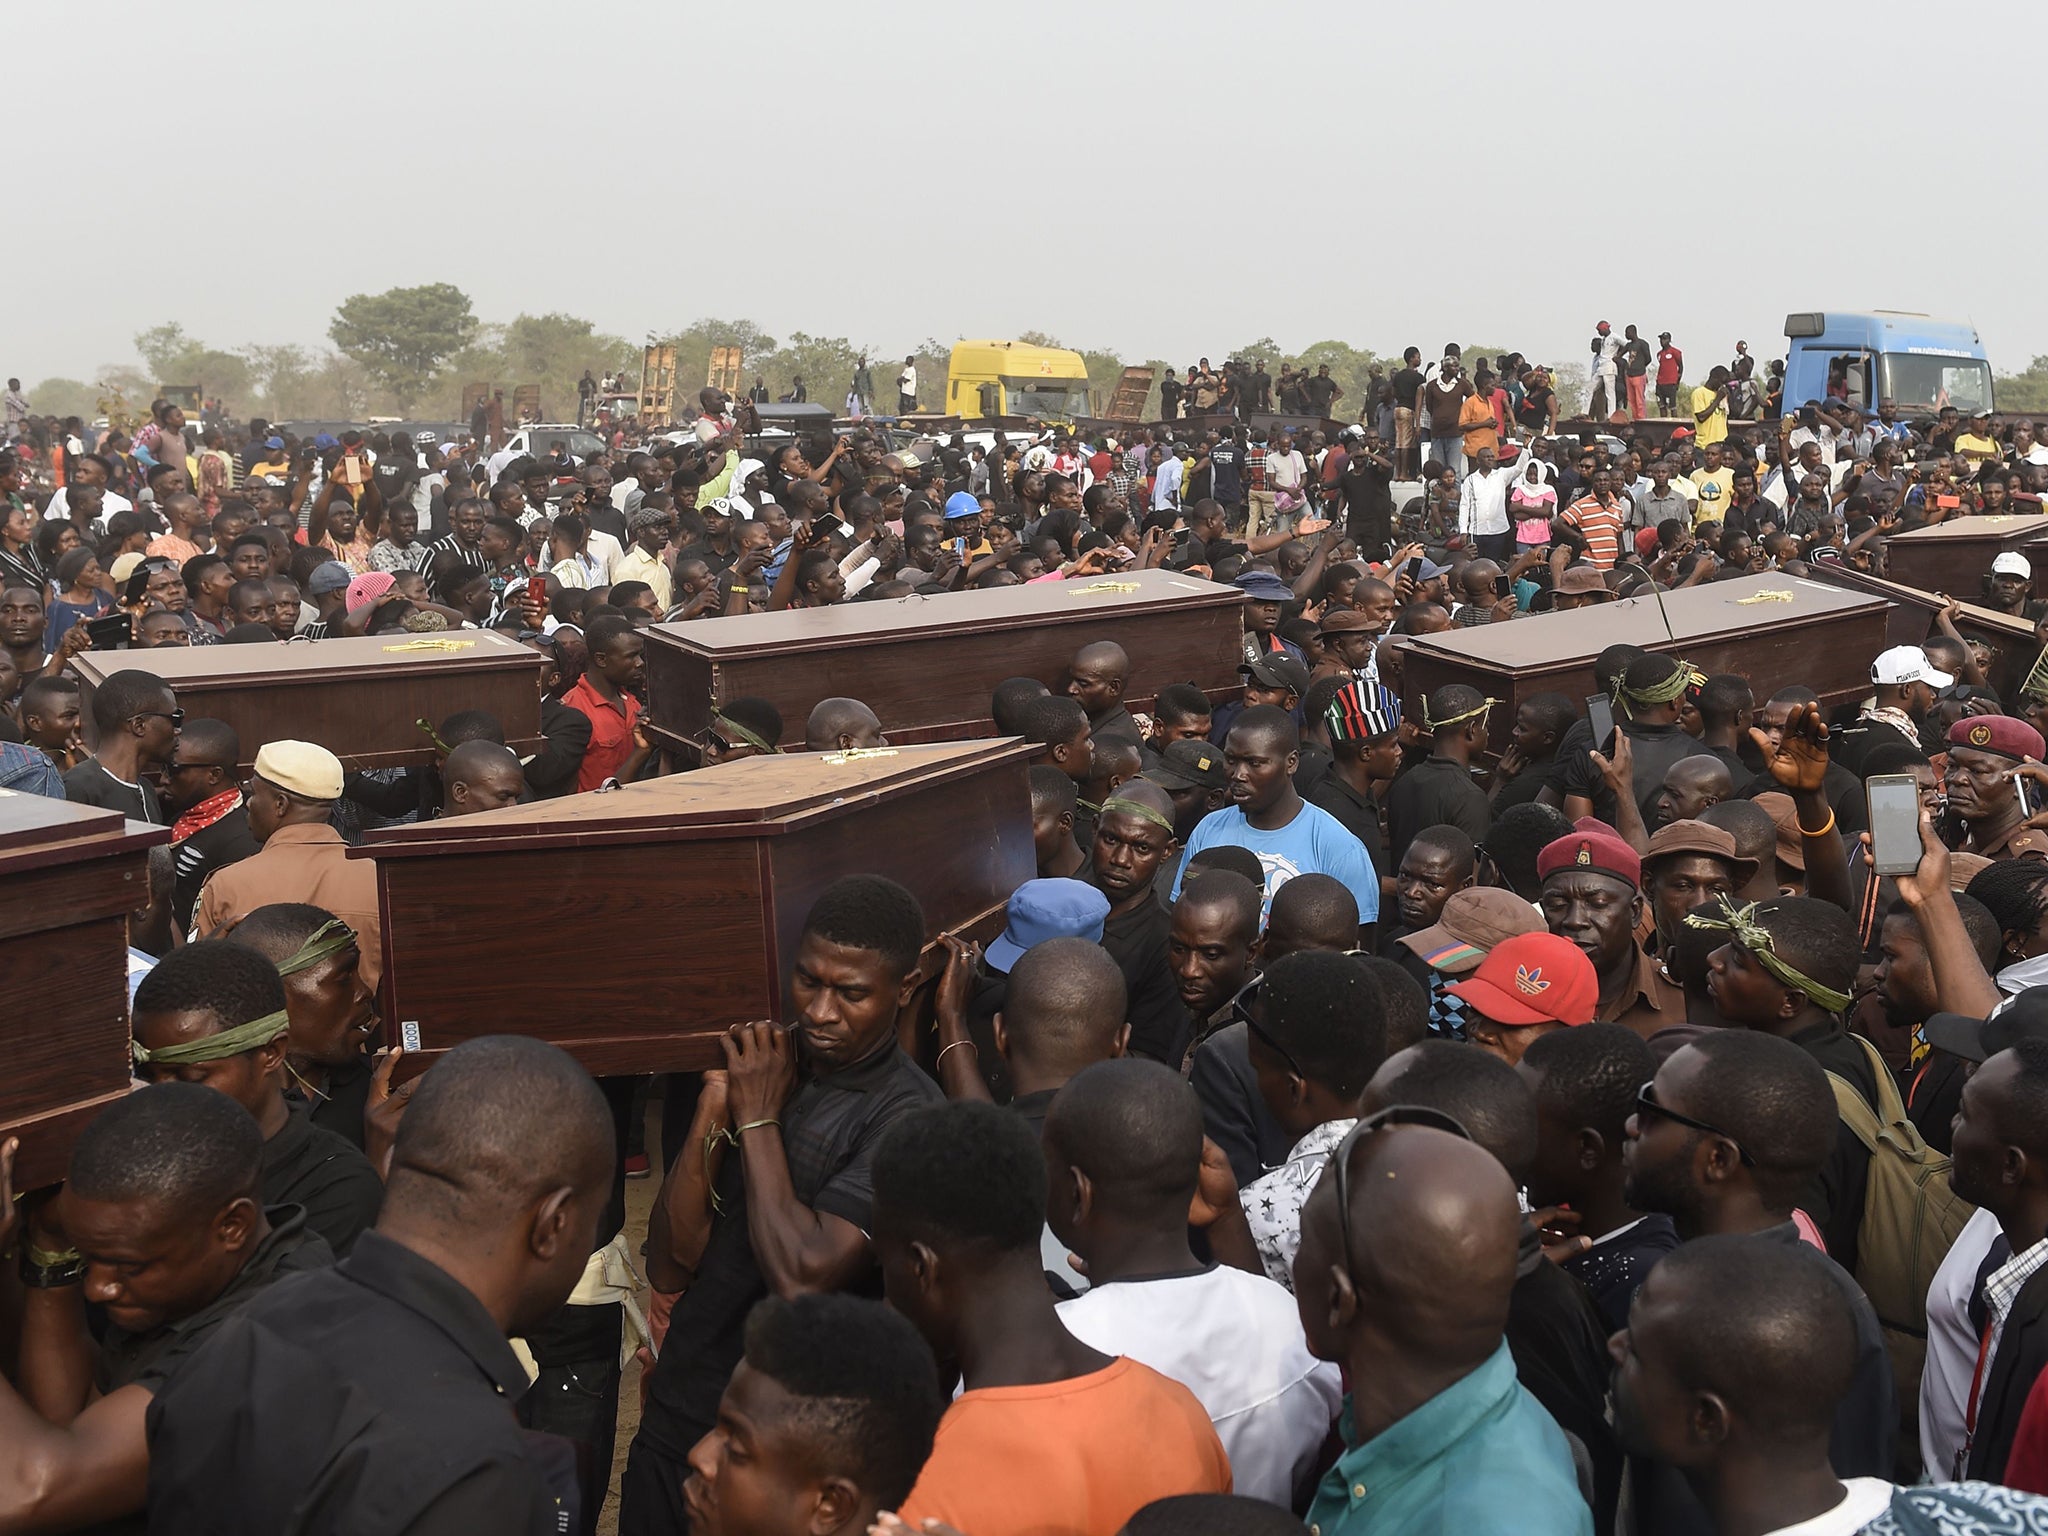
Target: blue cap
[
  {"x": 1431, "y": 570},
  {"x": 1048, "y": 909},
  {"x": 963, "y": 504},
  {"x": 1264, "y": 587},
  {"x": 273, "y": 442},
  {"x": 328, "y": 576},
  {"x": 325, "y": 441}
]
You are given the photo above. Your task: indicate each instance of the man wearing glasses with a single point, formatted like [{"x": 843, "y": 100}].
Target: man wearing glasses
[
  {"x": 1728, "y": 1138},
  {"x": 290, "y": 801},
  {"x": 136, "y": 717},
  {"x": 203, "y": 790}
]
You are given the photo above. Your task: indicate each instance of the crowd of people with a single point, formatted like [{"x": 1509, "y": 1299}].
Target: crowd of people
[{"x": 1375, "y": 1114}]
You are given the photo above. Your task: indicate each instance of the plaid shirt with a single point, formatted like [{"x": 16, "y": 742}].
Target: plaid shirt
[
  {"x": 1253, "y": 470},
  {"x": 2001, "y": 1290}
]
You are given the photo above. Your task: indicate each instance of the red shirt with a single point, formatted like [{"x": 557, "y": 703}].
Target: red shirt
[
  {"x": 1670, "y": 363},
  {"x": 611, "y": 732},
  {"x": 1602, "y": 527}
]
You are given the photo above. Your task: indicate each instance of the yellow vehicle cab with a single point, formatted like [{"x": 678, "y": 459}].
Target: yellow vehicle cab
[{"x": 990, "y": 379}]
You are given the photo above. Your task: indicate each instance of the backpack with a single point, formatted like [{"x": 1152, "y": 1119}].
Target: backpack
[{"x": 1910, "y": 1220}]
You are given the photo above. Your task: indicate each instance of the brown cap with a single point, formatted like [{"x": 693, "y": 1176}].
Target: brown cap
[
  {"x": 1791, "y": 847},
  {"x": 1699, "y": 837},
  {"x": 1342, "y": 619},
  {"x": 1472, "y": 923},
  {"x": 1578, "y": 580}
]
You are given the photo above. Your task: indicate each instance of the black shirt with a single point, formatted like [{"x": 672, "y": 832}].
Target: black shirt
[
  {"x": 829, "y": 1129},
  {"x": 90, "y": 784},
  {"x": 1368, "y": 493},
  {"x": 1436, "y": 792},
  {"x": 1613, "y": 1269},
  {"x": 149, "y": 1359},
  {"x": 1407, "y": 385},
  {"x": 1136, "y": 941},
  {"x": 1234, "y": 1113},
  {"x": 377, "y": 1393},
  {"x": 565, "y": 734},
  {"x": 325, "y": 1176},
  {"x": 1360, "y": 815},
  {"x": 227, "y": 841}
]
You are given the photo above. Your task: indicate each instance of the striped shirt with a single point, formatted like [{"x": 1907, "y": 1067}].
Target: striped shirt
[{"x": 1601, "y": 524}]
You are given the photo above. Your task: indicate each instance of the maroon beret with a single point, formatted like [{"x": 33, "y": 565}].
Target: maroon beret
[
  {"x": 1997, "y": 733},
  {"x": 1593, "y": 846}
]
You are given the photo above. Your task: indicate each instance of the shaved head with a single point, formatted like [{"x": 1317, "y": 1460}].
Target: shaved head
[
  {"x": 837, "y": 724},
  {"x": 1106, "y": 655},
  {"x": 1134, "y": 1128},
  {"x": 1311, "y": 912},
  {"x": 1064, "y": 1008}
]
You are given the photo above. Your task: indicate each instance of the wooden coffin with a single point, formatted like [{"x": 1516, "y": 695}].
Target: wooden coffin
[
  {"x": 1824, "y": 637},
  {"x": 359, "y": 696},
  {"x": 665, "y": 911},
  {"x": 1955, "y": 557},
  {"x": 69, "y": 877},
  {"x": 2013, "y": 643},
  {"x": 927, "y": 665}
]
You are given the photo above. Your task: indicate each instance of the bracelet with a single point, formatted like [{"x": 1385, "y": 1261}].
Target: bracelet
[
  {"x": 954, "y": 1047},
  {"x": 65, "y": 1270},
  {"x": 1820, "y": 831},
  {"x": 754, "y": 1125}
]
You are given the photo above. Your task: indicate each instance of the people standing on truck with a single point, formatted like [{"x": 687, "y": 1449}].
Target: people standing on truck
[
  {"x": 1202, "y": 390},
  {"x": 906, "y": 387},
  {"x": 759, "y": 393},
  {"x": 1670, "y": 369},
  {"x": 1262, "y": 387},
  {"x": 1443, "y": 399},
  {"x": 1323, "y": 391},
  {"x": 1170, "y": 392},
  {"x": 1407, "y": 387},
  {"x": 1635, "y": 368},
  {"x": 862, "y": 390},
  {"x": 1710, "y": 408}
]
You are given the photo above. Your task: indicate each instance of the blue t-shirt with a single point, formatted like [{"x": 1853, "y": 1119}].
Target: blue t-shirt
[{"x": 1314, "y": 843}]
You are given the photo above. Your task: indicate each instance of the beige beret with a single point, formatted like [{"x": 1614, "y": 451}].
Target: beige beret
[{"x": 301, "y": 768}]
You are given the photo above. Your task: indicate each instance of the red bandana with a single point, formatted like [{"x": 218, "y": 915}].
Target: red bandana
[{"x": 205, "y": 814}]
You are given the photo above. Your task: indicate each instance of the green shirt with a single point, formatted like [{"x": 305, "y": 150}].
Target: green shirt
[{"x": 1480, "y": 1458}]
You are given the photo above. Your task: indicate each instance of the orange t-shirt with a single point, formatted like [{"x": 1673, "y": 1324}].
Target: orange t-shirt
[{"x": 1079, "y": 1456}]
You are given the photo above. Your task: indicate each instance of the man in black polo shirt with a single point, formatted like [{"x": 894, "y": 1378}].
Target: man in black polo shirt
[
  {"x": 203, "y": 791},
  {"x": 780, "y": 1201},
  {"x": 161, "y": 1221},
  {"x": 1133, "y": 840},
  {"x": 214, "y": 1013},
  {"x": 1364, "y": 723},
  {"x": 1440, "y": 791},
  {"x": 378, "y": 1392}
]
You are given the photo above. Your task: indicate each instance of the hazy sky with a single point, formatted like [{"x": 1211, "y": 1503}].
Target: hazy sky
[{"x": 1162, "y": 179}]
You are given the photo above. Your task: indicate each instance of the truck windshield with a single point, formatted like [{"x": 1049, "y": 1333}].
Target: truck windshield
[
  {"x": 1051, "y": 399},
  {"x": 1921, "y": 381}
]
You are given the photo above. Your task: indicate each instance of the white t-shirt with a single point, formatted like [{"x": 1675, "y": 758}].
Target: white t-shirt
[
  {"x": 1235, "y": 1341},
  {"x": 1863, "y": 1500},
  {"x": 1285, "y": 470},
  {"x": 906, "y": 381},
  {"x": 1951, "y": 1347},
  {"x": 110, "y": 503}
]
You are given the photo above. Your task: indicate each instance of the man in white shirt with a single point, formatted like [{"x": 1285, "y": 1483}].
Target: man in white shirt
[
  {"x": 906, "y": 387},
  {"x": 1286, "y": 469},
  {"x": 90, "y": 469},
  {"x": 1483, "y": 507},
  {"x": 1123, "y": 1143},
  {"x": 1166, "y": 473}
]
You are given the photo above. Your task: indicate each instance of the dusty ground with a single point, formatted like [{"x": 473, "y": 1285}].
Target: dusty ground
[{"x": 639, "y": 1201}]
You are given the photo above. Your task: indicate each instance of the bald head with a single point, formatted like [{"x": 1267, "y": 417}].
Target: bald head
[
  {"x": 1063, "y": 1010},
  {"x": 840, "y": 725},
  {"x": 1441, "y": 1293},
  {"x": 1311, "y": 912},
  {"x": 480, "y": 776},
  {"x": 1133, "y": 1128},
  {"x": 1691, "y": 785},
  {"x": 1102, "y": 657}
]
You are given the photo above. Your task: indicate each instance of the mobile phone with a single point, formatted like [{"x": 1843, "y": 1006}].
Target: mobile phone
[
  {"x": 1894, "y": 822},
  {"x": 2024, "y": 793},
  {"x": 960, "y": 548},
  {"x": 1502, "y": 586},
  {"x": 1415, "y": 569},
  {"x": 110, "y": 631},
  {"x": 1600, "y": 715},
  {"x": 1950, "y": 502},
  {"x": 537, "y": 589}
]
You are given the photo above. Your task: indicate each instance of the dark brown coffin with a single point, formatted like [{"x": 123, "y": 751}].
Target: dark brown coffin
[
  {"x": 2013, "y": 643},
  {"x": 927, "y": 665},
  {"x": 1955, "y": 556},
  {"x": 359, "y": 696},
  {"x": 69, "y": 877},
  {"x": 631, "y": 927},
  {"x": 1825, "y": 638}
]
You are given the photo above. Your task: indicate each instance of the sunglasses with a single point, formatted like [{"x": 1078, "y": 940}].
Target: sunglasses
[
  {"x": 1647, "y": 1105},
  {"x": 1393, "y": 1114},
  {"x": 175, "y": 716}
]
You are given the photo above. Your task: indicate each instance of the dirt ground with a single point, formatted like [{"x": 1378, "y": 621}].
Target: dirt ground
[{"x": 639, "y": 1201}]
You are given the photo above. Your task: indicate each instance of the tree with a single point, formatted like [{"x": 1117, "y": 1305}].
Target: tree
[
  {"x": 65, "y": 397},
  {"x": 403, "y": 336},
  {"x": 173, "y": 357},
  {"x": 2023, "y": 391}
]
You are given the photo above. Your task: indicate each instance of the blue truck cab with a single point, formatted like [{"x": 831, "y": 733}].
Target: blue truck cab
[{"x": 1918, "y": 363}]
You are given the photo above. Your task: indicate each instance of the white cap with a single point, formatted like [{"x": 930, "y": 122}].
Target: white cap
[
  {"x": 2012, "y": 563},
  {"x": 1906, "y": 664}
]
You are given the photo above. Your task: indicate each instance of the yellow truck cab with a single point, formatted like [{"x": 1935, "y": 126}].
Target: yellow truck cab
[{"x": 990, "y": 379}]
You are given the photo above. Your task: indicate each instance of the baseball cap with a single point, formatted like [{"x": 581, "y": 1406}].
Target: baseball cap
[
  {"x": 2012, "y": 563},
  {"x": 124, "y": 566},
  {"x": 300, "y": 768},
  {"x": 1473, "y": 923},
  {"x": 963, "y": 504},
  {"x": 1189, "y": 765},
  {"x": 1277, "y": 671},
  {"x": 328, "y": 576},
  {"x": 1678, "y": 432},
  {"x": 1047, "y": 909},
  {"x": 1909, "y": 664},
  {"x": 273, "y": 442},
  {"x": 2023, "y": 1016},
  {"x": 1532, "y": 978},
  {"x": 1264, "y": 587},
  {"x": 1431, "y": 570},
  {"x": 326, "y": 440}
]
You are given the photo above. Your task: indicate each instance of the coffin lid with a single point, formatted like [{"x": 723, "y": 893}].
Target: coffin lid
[
  {"x": 754, "y": 797},
  {"x": 293, "y": 662},
  {"x": 2002, "y": 528},
  {"x": 924, "y": 618},
  {"x": 1696, "y": 614},
  {"x": 35, "y": 830}
]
